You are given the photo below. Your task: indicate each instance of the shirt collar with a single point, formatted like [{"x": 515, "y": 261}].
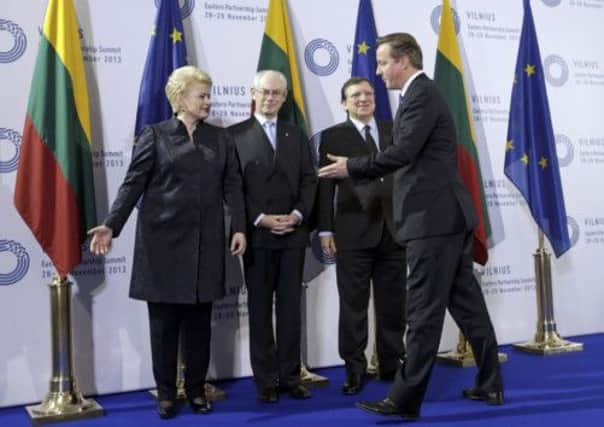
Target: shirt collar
[
  {"x": 262, "y": 119},
  {"x": 361, "y": 126},
  {"x": 409, "y": 81}
]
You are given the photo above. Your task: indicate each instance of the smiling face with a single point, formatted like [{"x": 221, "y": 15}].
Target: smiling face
[
  {"x": 392, "y": 70},
  {"x": 269, "y": 95},
  {"x": 195, "y": 101},
  {"x": 359, "y": 101}
]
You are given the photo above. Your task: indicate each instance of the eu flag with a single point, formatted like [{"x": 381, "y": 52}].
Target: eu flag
[
  {"x": 363, "y": 59},
  {"x": 167, "y": 51},
  {"x": 531, "y": 162}
]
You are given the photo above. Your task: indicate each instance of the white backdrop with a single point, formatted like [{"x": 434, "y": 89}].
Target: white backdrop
[{"x": 223, "y": 37}]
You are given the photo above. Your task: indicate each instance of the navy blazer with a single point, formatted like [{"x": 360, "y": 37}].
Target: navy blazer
[
  {"x": 275, "y": 181},
  {"x": 429, "y": 198},
  {"x": 357, "y": 211}
]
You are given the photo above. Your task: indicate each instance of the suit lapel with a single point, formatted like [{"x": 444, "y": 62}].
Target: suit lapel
[
  {"x": 359, "y": 146},
  {"x": 282, "y": 146},
  {"x": 261, "y": 143}
]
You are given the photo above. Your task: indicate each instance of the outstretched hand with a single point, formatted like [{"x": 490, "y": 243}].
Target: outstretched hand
[
  {"x": 101, "y": 239},
  {"x": 338, "y": 169}
]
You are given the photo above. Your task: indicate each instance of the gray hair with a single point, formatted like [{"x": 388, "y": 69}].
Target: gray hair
[{"x": 260, "y": 74}]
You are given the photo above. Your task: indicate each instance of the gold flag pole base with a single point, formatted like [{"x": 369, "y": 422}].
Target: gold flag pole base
[
  {"x": 213, "y": 393},
  {"x": 551, "y": 344},
  {"x": 547, "y": 340},
  {"x": 464, "y": 360},
  {"x": 312, "y": 379},
  {"x": 373, "y": 367},
  {"x": 63, "y": 407},
  {"x": 63, "y": 401},
  {"x": 462, "y": 356}
]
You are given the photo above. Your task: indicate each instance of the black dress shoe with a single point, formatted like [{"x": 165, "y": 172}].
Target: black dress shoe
[
  {"x": 387, "y": 408},
  {"x": 489, "y": 397},
  {"x": 352, "y": 385},
  {"x": 200, "y": 405},
  {"x": 166, "y": 409},
  {"x": 268, "y": 395},
  {"x": 300, "y": 391}
]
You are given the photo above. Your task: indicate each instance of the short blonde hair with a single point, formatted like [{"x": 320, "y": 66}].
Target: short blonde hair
[{"x": 180, "y": 79}]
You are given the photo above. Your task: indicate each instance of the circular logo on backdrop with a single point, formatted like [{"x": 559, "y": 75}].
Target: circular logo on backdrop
[
  {"x": 21, "y": 266},
  {"x": 186, "y": 8},
  {"x": 321, "y": 57},
  {"x": 19, "y": 42},
  {"x": 551, "y": 3},
  {"x": 556, "y": 70},
  {"x": 573, "y": 230},
  {"x": 565, "y": 150},
  {"x": 435, "y": 19},
  {"x": 13, "y": 138}
]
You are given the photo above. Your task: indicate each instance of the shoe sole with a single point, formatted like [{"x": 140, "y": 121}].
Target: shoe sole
[{"x": 405, "y": 417}]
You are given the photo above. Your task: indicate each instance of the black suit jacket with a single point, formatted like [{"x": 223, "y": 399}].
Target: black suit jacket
[
  {"x": 429, "y": 198},
  {"x": 275, "y": 181},
  {"x": 361, "y": 208},
  {"x": 180, "y": 237}
]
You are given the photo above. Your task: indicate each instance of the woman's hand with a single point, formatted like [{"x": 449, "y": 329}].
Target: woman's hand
[
  {"x": 238, "y": 244},
  {"x": 101, "y": 239}
]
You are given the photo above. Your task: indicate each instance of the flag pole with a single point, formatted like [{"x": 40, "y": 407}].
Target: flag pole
[
  {"x": 547, "y": 340},
  {"x": 306, "y": 376},
  {"x": 63, "y": 401}
]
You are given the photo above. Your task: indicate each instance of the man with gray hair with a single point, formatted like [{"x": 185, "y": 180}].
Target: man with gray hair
[{"x": 279, "y": 183}]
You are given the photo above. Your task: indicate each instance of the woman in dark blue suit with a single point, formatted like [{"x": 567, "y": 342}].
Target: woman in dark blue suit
[{"x": 185, "y": 169}]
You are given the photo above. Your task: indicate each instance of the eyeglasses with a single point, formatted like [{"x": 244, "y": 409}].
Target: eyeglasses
[{"x": 267, "y": 92}]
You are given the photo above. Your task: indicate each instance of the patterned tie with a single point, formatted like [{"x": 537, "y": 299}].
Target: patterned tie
[
  {"x": 369, "y": 139},
  {"x": 269, "y": 128}
]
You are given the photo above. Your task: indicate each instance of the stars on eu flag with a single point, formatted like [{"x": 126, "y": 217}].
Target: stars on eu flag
[
  {"x": 524, "y": 159},
  {"x": 543, "y": 162},
  {"x": 529, "y": 70},
  {"x": 509, "y": 145},
  {"x": 363, "y": 48},
  {"x": 176, "y": 36}
]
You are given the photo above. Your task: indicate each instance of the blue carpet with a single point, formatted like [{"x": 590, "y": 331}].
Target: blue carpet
[{"x": 554, "y": 391}]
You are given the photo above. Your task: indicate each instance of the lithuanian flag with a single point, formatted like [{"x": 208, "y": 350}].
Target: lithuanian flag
[
  {"x": 278, "y": 52},
  {"x": 448, "y": 75},
  {"x": 54, "y": 192}
]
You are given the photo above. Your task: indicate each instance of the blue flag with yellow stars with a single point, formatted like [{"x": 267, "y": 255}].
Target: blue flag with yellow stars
[
  {"x": 531, "y": 162},
  {"x": 363, "y": 59},
  {"x": 167, "y": 51}
]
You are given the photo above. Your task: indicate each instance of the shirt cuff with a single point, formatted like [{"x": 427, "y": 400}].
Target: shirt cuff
[
  {"x": 299, "y": 215},
  {"x": 258, "y": 219}
]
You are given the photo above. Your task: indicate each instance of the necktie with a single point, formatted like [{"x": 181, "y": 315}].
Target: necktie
[
  {"x": 269, "y": 128},
  {"x": 369, "y": 140}
]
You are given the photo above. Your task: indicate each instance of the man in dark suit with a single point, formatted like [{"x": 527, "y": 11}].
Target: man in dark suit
[
  {"x": 279, "y": 183},
  {"x": 434, "y": 218},
  {"x": 363, "y": 242}
]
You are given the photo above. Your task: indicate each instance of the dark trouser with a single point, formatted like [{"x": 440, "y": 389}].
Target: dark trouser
[
  {"x": 441, "y": 277},
  {"x": 385, "y": 266},
  {"x": 166, "y": 321},
  {"x": 275, "y": 272}
]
